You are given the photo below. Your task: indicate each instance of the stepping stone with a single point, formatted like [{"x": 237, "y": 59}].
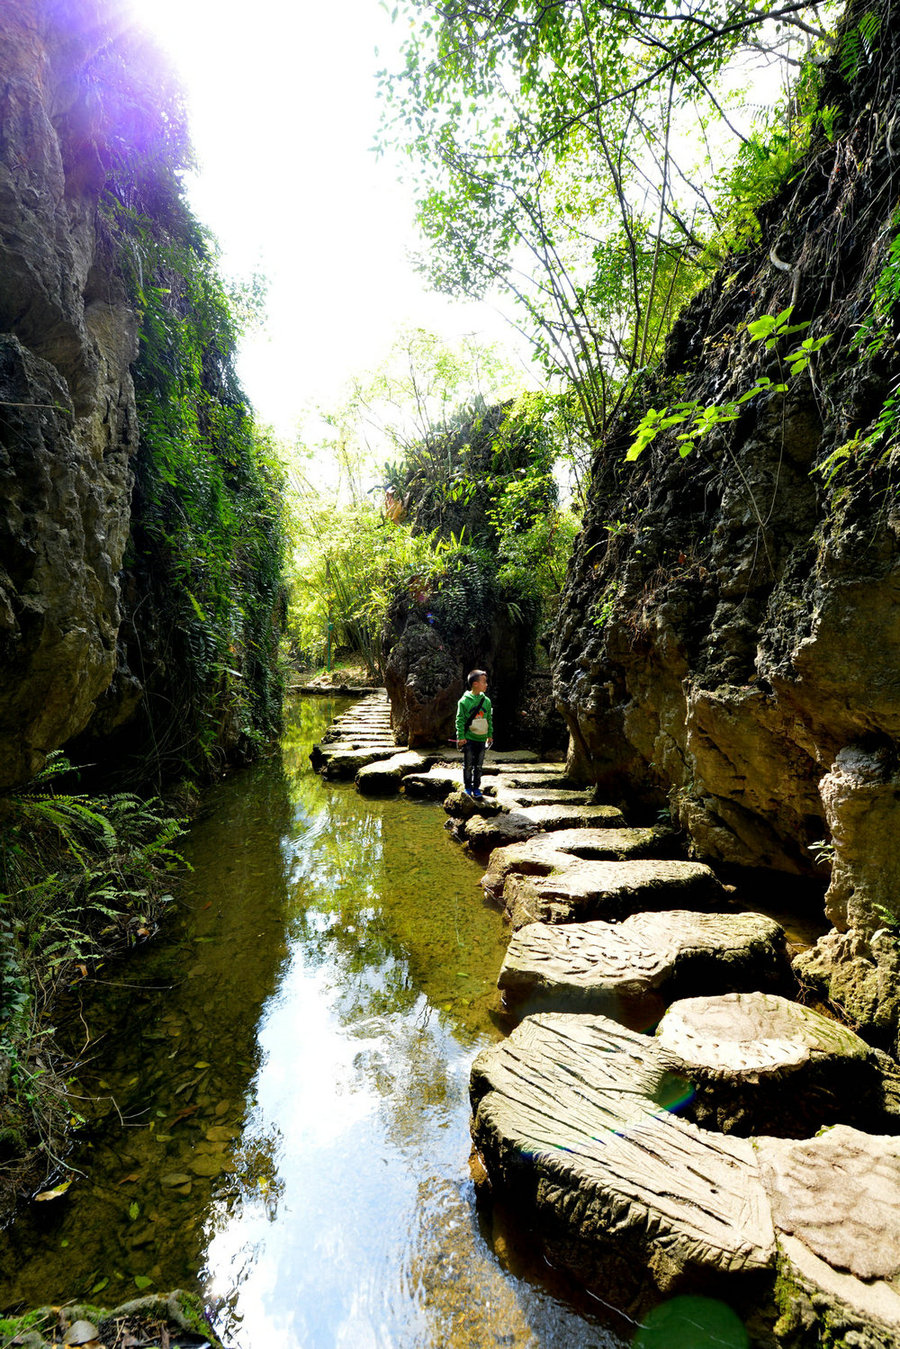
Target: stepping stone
[
  {"x": 514, "y": 797},
  {"x": 435, "y": 784},
  {"x": 346, "y": 763},
  {"x": 609, "y": 890},
  {"x": 543, "y": 853},
  {"x": 574, "y": 816},
  {"x": 484, "y": 833},
  {"x": 631, "y": 970},
  {"x": 525, "y": 821},
  {"x": 572, "y": 1119},
  {"x": 762, "y": 1064},
  {"x": 385, "y": 775},
  {"x": 836, "y": 1205},
  {"x": 535, "y": 775}
]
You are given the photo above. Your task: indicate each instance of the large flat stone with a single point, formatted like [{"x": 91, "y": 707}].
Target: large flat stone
[
  {"x": 543, "y": 853},
  {"x": 571, "y": 1119},
  {"x": 835, "y": 1201},
  {"x": 343, "y": 764},
  {"x": 574, "y": 817},
  {"x": 435, "y": 784},
  {"x": 483, "y": 834},
  {"x": 763, "y": 1064},
  {"x": 513, "y": 797},
  {"x": 630, "y": 970},
  {"x": 609, "y": 890},
  {"x": 386, "y": 775}
]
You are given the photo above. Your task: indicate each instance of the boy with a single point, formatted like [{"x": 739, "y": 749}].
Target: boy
[{"x": 474, "y": 730}]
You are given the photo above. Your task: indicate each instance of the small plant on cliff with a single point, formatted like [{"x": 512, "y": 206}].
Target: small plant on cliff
[{"x": 700, "y": 419}]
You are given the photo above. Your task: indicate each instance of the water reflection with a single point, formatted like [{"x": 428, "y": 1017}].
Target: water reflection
[{"x": 285, "y": 1117}]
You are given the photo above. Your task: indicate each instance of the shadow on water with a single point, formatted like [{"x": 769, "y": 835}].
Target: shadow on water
[{"x": 277, "y": 1093}]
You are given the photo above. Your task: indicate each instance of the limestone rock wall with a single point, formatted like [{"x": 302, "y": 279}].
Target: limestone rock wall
[
  {"x": 729, "y": 642},
  {"x": 68, "y": 427}
]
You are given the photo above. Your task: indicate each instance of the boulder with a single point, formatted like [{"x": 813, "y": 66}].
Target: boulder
[
  {"x": 630, "y": 970},
  {"x": 572, "y": 1118},
  {"x": 762, "y": 1064},
  {"x": 610, "y": 890}
]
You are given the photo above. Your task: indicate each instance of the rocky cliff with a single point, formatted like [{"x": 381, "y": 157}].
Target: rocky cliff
[
  {"x": 140, "y": 533},
  {"x": 68, "y": 429},
  {"x": 728, "y": 644}
]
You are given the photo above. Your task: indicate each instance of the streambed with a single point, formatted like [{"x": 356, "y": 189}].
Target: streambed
[{"x": 281, "y": 1114}]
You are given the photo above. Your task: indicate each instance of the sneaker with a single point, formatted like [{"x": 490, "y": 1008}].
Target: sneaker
[{"x": 477, "y": 796}]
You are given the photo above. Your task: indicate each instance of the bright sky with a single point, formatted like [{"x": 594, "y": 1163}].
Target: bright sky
[{"x": 283, "y": 113}]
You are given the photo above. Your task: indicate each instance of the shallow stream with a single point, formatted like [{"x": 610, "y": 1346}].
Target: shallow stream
[{"x": 282, "y": 1086}]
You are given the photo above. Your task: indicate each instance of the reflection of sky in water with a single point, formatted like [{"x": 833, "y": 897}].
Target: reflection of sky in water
[{"x": 372, "y": 1238}]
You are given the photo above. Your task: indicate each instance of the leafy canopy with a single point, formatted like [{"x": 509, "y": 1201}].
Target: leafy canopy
[{"x": 556, "y": 146}]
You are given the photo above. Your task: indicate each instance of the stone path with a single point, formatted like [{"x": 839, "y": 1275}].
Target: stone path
[
  {"x": 651, "y": 1162},
  {"x": 630, "y": 970}
]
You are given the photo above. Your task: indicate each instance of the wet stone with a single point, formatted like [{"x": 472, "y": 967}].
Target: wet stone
[
  {"x": 573, "y": 1119},
  {"x": 609, "y": 890},
  {"x": 760, "y": 1063},
  {"x": 630, "y": 970}
]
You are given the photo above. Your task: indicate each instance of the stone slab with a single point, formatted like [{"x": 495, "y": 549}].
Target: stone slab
[
  {"x": 483, "y": 834},
  {"x": 574, "y": 817},
  {"x": 610, "y": 890},
  {"x": 385, "y": 775},
  {"x": 763, "y": 1064},
  {"x": 835, "y": 1201},
  {"x": 540, "y": 854},
  {"x": 511, "y": 798},
  {"x": 344, "y": 764},
  {"x": 571, "y": 1119},
  {"x": 435, "y": 784},
  {"x": 630, "y": 970}
]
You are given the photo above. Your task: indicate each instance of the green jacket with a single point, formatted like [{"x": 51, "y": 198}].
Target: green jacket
[{"x": 464, "y": 707}]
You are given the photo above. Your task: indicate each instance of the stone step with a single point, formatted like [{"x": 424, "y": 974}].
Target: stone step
[
  {"x": 385, "y": 775},
  {"x": 609, "y": 890},
  {"x": 484, "y": 834},
  {"x": 573, "y": 1120},
  {"x": 572, "y": 1117},
  {"x": 544, "y": 853},
  {"x": 631, "y": 970},
  {"x": 762, "y": 1064}
]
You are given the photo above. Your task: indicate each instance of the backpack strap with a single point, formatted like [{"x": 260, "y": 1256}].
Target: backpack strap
[{"x": 474, "y": 713}]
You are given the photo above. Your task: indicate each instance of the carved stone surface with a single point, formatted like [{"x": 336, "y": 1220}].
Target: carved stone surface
[
  {"x": 609, "y": 890},
  {"x": 571, "y": 1117},
  {"x": 763, "y": 1064},
  {"x": 632, "y": 969},
  {"x": 835, "y": 1201},
  {"x": 542, "y": 853}
]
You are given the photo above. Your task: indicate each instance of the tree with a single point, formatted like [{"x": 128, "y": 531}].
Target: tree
[{"x": 543, "y": 134}]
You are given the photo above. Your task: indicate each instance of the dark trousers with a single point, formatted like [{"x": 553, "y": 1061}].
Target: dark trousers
[{"x": 473, "y": 758}]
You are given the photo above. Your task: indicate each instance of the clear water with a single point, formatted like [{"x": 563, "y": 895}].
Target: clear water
[{"x": 277, "y": 1091}]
